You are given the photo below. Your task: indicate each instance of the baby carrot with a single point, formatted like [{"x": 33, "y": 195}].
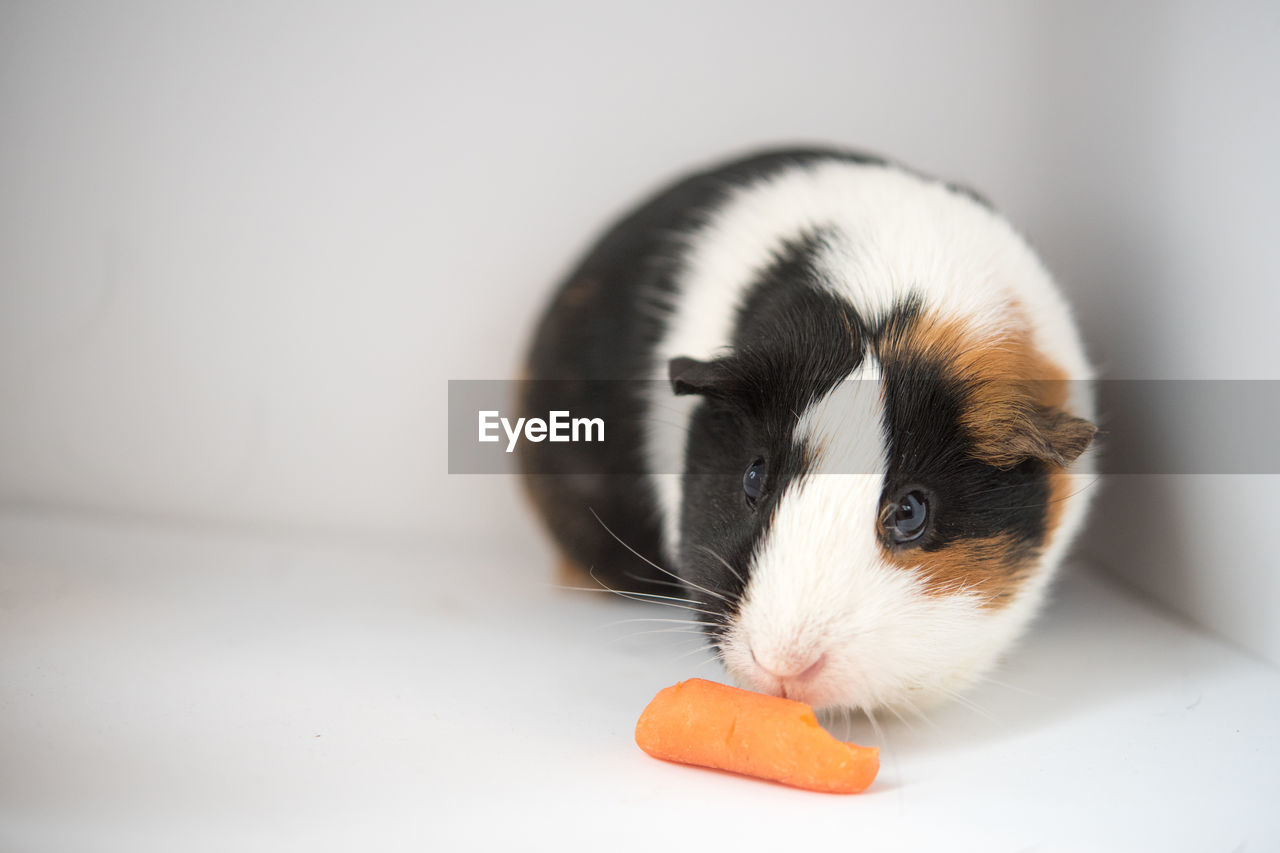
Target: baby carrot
[{"x": 713, "y": 725}]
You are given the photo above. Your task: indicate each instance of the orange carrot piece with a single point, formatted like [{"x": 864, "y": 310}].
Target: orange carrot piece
[{"x": 713, "y": 725}]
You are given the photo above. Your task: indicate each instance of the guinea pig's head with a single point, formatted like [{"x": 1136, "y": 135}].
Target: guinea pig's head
[{"x": 870, "y": 505}]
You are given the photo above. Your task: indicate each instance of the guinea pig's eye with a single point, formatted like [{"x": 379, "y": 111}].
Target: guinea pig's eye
[
  {"x": 904, "y": 519},
  {"x": 753, "y": 481}
]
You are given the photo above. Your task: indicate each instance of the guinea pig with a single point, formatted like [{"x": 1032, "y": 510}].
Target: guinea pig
[{"x": 846, "y": 406}]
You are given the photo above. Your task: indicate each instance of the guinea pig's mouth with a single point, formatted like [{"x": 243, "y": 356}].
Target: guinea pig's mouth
[
  {"x": 805, "y": 679},
  {"x": 814, "y": 692},
  {"x": 793, "y": 677}
]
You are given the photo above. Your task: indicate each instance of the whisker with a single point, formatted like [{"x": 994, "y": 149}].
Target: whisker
[
  {"x": 892, "y": 710},
  {"x": 647, "y": 595},
  {"x": 689, "y": 631},
  {"x": 725, "y": 563},
  {"x": 671, "y": 603},
  {"x": 655, "y": 565},
  {"x": 702, "y": 647},
  {"x": 966, "y": 702},
  {"x": 882, "y": 741},
  {"x": 631, "y": 597},
  {"x": 659, "y": 582},
  {"x": 986, "y": 679},
  {"x": 655, "y": 619},
  {"x": 911, "y": 706},
  {"x": 875, "y": 726},
  {"x": 842, "y": 717}
]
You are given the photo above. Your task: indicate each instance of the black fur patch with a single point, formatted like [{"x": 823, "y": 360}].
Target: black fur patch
[
  {"x": 793, "y": 343},
  {"x": 927, "y": 447}
]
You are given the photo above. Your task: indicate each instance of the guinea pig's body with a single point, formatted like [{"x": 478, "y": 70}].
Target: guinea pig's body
[{"x": 837, "y": 407}]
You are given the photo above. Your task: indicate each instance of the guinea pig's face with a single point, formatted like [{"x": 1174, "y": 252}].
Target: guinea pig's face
[{"x": 867, "y": 504}]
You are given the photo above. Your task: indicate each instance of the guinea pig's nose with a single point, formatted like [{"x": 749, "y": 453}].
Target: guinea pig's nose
[{"x": 792, "y": 668}]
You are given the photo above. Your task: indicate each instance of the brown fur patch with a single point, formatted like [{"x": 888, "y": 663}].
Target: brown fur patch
[
  {"x": 569, "y": 573},
  {"x": 992, "y": 567},
  {"x": 544, "y": 497},
  {"x": 543, "y": 494},
  {"x": 1013, "y": 411},
  {"x": 1014, "y": 393},
  {"x": 579, "y": 292}
]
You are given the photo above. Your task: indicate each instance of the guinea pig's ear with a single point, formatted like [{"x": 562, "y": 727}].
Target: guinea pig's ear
[
  {"x": 1048, "y": 434},
  {"x": 707, "y": 378}
]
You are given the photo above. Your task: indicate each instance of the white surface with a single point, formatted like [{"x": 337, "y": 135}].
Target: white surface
[
  {"x": 165, "y": 690},
  {"x": 242, "y": 246}
]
